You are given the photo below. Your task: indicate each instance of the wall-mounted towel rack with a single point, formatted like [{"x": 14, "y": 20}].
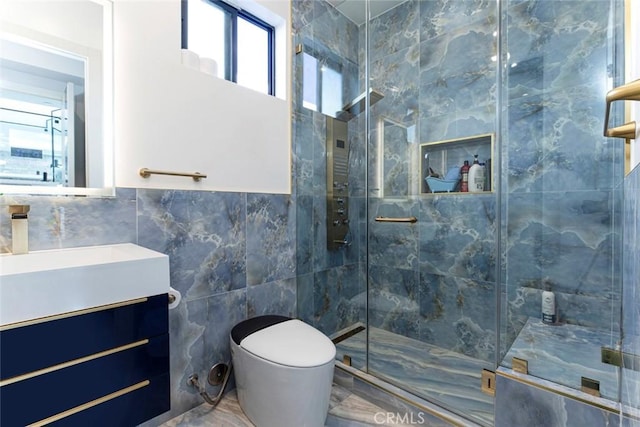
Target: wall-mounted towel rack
[
  {"x": 626, "y": 92},
  {"x": 145, "y": 173}
]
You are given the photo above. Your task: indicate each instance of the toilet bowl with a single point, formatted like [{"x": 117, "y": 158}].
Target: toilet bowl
[{"x": 283, "y": 370}]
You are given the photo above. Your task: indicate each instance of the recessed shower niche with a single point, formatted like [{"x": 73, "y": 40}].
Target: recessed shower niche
[{"x": 440, "y": 160}]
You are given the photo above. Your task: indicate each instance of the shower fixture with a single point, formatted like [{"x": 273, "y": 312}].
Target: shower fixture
[
  {"x": 356, "y": 106},
  {"x": 338, "y": 150},
  {"x": 626, "y": 92}
]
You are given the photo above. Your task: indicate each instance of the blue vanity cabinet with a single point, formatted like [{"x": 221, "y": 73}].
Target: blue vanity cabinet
[{"x": 106, "y": 366}]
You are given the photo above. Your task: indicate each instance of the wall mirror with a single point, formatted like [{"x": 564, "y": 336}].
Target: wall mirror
[{"x": 56, "y": 97}]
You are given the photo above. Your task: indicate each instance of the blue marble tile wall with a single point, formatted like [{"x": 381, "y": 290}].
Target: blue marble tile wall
[
  {"x": 519, "y": 404},
  {"x": 562, "y": 188},
  {"x": 434, "y": 280},
  {"x": 331, "y": 286},
  {"x": 231, "y": 255},
  {"x": 631, "y": 281}
]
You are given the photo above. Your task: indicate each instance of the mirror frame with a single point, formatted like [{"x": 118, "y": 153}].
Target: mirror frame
[{"x": 106, "y": 145}]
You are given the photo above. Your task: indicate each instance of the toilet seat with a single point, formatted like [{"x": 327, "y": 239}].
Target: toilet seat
[{"x": 291, "y": 343}]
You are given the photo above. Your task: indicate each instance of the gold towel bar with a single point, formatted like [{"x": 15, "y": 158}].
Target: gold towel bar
[
  {"x": 626, "y": 92},
  {"x": 387, "y": 219},
  {"x": 145, "y": 173}
]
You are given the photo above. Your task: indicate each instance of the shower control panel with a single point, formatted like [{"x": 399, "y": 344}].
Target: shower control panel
[{"x": 337, "y": 184}]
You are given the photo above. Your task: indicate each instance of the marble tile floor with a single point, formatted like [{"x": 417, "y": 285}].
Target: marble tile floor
[
  {"x": 448, "y": 379},
  {"x": 345, "y": 410}
]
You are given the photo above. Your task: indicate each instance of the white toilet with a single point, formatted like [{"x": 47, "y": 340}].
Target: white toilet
[{"x": 283, "y": 370}]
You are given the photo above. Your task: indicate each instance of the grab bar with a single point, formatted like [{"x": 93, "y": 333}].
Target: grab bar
[
  {"x": 145, "y": 173},
  {"x": 626, "y": 92},
  {"x": 388, "y": 219}
]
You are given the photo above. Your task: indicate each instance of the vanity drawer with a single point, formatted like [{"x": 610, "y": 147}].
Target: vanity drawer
[
  {"x": 130, "y": 409},
  {"x": 62, "y": 388},
  {"x": 36, "y": 346}
]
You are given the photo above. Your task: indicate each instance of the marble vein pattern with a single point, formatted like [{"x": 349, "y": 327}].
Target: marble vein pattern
[
  {"x": 67, "y": 222},
  {"x": 519, "y": 404},
  {"x": 447, "y": 378},
  {"x": 562, "y": 180},
  {"x": 231, "y": 256},
  {"x": 271, "y": 232},
  {"x": 565, "y": 353},
  {"x": 204, "y": 234},
  {"x": 210, "y": 239},
  {"x": 345, "y": 410}
]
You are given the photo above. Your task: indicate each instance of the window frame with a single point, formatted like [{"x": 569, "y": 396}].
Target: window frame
[{"x": 231, "y": 39}]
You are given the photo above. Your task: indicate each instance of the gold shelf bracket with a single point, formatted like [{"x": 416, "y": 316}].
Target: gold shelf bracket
[
  {"x": 520, "y": 365},
  {"x": 620, "y": 359},
  {"x": 590, "y": 386}
]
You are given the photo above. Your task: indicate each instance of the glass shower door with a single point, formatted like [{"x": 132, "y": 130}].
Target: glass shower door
[
  {"x": 431, "y": 243},
  {"x": 562, "y": 190}
]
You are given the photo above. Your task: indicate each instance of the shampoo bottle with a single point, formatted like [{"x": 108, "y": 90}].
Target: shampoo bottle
[
  {"x": 487, "y": 175},
  {"x": 548, "y": 306},
  {"x": 476, "y": 176},
  {"x": 464, "y": 182},
  {"x": 19, "y": 229}
]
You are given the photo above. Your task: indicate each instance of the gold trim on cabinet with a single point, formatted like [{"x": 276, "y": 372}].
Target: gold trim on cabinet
[
  {"x": 74, "y": 362},
  {"x": 91, "y": 404},
  {"x": 71, "y": 314}
]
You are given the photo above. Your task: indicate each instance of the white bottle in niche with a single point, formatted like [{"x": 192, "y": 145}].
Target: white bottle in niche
[
  {"x": 548, "y": 306},
  {"x": 19, "y": 229},
  {"x": 476, "y": 176}
]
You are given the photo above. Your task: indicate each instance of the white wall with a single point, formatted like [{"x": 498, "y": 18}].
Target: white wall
[{"x": 171, "y": 117}]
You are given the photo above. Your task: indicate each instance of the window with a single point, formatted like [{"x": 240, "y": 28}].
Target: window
[{"x": 241, "y": 43}]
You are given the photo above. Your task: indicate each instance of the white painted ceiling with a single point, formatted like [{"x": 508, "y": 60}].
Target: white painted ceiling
[{"x": 355, "y": 9}]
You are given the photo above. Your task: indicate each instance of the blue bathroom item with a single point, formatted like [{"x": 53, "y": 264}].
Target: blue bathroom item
[
  {"x": 453, "y": 174},
  {"x": 437, "y": 185}
]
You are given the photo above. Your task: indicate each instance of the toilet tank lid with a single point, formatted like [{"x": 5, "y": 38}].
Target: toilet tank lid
[{"x": 291, "y": 343}]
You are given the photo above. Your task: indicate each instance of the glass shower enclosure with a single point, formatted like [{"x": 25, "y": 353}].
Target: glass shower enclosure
[{"x": 426, "y": 279}]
